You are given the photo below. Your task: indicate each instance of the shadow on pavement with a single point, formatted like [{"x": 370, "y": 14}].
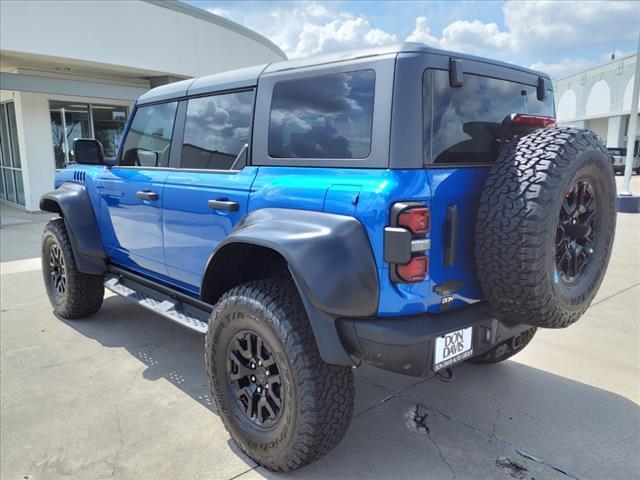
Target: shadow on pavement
[{"x": 478, "y": 426}]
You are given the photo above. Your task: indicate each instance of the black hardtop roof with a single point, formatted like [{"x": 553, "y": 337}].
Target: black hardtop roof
[{"x": 248, "y": 77}]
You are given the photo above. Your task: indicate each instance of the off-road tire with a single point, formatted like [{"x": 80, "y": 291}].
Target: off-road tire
[
  {"x": 318, "y": 398},
  {"x": 83, "y": 293},
  {"x": 506, "y": 349},
  {"x": 518, "y": 219}
]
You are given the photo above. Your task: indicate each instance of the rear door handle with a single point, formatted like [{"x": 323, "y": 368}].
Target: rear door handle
[
  {"x": 226, "y": 205},
  {"x": 147, "y": 195}
]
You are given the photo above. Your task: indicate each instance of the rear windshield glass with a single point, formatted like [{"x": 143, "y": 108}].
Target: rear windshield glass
[
  {"x": 328, "y": 116},
  {"x": 462, "y": 125}
]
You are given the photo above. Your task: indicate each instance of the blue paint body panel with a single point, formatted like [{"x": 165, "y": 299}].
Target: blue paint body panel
[
  {"x": 191, "y": 229},
  {"x": 373, "y": 191},
  {"x": 171, "y": 239}
]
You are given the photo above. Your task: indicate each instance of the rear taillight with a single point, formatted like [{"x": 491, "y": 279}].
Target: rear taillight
[
  {"x": 414, "y": 271},
  {"x": 415, "y": 219},
  {"x": 535, "y": 121},
  {"x": 406, "y": 242}
]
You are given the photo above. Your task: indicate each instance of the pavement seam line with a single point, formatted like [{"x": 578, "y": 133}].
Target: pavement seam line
[
  {"x": 392, "y": 393},
  {"x": 490, "y": 436},
  {"x": 243, "y": 473},
  {"x": 614, "y": 295},
  {"x": 494, "y": 438}
]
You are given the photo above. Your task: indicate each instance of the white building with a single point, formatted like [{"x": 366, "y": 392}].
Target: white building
[
  {"x": 599, "y": 99},
  {"x": 72, "y": 69}
]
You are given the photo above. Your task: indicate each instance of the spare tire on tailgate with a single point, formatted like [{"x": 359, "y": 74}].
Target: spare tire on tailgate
[{"x": 545, "y": 226}]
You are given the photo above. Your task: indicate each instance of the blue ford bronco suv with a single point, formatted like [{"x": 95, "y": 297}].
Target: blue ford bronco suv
[{"x": 401, "y": 206}]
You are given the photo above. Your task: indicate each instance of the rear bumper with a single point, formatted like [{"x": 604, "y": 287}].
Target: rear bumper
[{"x": 406, "y": 344}]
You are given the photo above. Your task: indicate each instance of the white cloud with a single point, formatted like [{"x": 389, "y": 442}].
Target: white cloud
[
  {"x": 338, "y": 35},
  {"x": 309, "y": 28},
  {"x": 221, "y": 12},
  {"x": 567, "y": 66},
  {"x": 531, "y": 31},
  {"x": 538, "y": 28},
  {"x": 422, "y": 33}
]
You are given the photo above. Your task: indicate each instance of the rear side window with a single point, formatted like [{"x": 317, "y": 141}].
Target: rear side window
[
  {"x": 149, "y": 137},
  {"x": 463, "y": 125},
  {"x": 216, "y": 130},
  {"x": 329, "y": 116}
]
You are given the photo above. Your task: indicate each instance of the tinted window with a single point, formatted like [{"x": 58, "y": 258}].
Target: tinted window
[
  {"x": 463, "y": 125},
  {"x": 216, "y": 130},
  {"x": 329, "y": 116},
  {"x": 149, "y": 138}
]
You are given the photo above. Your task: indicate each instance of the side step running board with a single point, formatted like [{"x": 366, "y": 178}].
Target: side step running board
[{"x": 161, "y": 303}]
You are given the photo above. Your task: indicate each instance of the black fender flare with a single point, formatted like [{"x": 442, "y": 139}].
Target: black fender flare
[
  {"x": 330, "y": 259},
  {"x": 71, "y": 201}
]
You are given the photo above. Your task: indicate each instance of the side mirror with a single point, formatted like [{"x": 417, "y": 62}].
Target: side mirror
[{"x": 88, "y": 151}]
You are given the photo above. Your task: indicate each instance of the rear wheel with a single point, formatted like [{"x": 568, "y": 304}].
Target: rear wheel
[
  {"x": 72, "y": 294},
  {"x": 281, "y": 403},
  {"x": 545, "y": 227}
]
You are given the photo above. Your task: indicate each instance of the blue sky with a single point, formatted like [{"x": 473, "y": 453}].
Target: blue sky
[{"x": 560, "y": 37}]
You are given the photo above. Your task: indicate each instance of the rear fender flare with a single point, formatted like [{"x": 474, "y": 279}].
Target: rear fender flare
[{"x": 330, "y": 259}]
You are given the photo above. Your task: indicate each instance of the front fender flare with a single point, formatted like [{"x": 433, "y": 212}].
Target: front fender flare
[{"x": 71, "y": 201}]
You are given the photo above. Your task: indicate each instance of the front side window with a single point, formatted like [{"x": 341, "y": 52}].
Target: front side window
[
  {"x": 463, "y": 125},
  {"x": 148, "y": 140},
  {"x": 216, "y": 130},
  {"x": 329, "y": 116}
]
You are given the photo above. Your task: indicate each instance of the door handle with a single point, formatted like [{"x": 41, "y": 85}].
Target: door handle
[
  {"x": 226, "y": 205},
  {"x": 147, "y": 195}
]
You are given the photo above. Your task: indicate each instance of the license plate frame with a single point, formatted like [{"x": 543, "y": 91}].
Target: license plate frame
[{"x": 452, "y": 347}]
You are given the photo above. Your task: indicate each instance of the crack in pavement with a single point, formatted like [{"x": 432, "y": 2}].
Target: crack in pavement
[
  {"x": 418, "y": 423},
  {"x": 467, "y": 426},
  {"x": 497, "y": 417},
  {"x": 493, "y": 438}
]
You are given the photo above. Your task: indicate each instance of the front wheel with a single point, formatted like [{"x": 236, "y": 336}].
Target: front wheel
[
  {"x": 282, "y": 404},
  {"x": 72, "y": 294}
]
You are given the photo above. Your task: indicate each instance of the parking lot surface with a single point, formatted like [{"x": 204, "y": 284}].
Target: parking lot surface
[{"x": 123, "y": 394}]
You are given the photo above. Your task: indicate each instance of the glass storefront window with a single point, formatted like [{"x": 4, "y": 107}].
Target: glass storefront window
[
  {"x": 5, "y": 148},
  {"x": 11, "y": 186},
  {"x": 71, "y": 120},
  {"x": 68, "y": 121},
  {"x": 108, "y": 125}
]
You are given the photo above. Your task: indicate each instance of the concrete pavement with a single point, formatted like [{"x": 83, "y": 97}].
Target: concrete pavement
[{"x": 123, "y": 394}]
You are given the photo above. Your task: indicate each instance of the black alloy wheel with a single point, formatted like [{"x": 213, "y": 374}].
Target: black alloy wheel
[
  {"x": 576, "y": 231},
  {"x": 254, "y": 378},
  {"x": 57, "y": 273}
]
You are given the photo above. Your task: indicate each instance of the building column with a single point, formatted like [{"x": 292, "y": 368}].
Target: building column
[
  {"x": 36, "y": 149},
  {"x": 615, "y": 132}
]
